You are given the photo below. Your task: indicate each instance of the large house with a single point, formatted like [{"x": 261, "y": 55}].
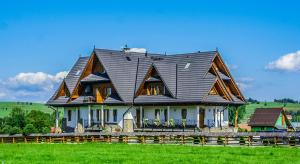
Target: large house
[{"x": 130, "y": 90}]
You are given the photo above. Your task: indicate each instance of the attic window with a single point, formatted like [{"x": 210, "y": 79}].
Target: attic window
[
  {"x": 187, "y": 65},
  {"x": 78, "y": 72}
]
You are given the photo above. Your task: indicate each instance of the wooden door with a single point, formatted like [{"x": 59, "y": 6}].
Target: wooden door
[
  {"x": 201, "y": 117},
  {"x": 138, "y": 118}
]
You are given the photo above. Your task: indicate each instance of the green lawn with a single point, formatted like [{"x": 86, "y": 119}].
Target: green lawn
[
  {"x": 122, "y": 153},
  {"x": 250, "y": 108},
  {"x": 6, "y": 107}
]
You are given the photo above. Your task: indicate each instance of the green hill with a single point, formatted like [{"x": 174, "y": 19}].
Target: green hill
[
  {"x": 250, "y": 108},
  {"x": 6, "y": 107}
]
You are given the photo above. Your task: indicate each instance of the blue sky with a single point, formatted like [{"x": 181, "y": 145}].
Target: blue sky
[{"x": 258, "y": 40}]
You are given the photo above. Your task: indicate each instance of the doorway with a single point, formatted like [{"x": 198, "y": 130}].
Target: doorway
[
  {"x": 201, "y": 117},
  {"x": 138, "y": 118}
]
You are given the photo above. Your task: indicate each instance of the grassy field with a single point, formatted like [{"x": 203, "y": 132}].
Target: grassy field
[
  {"x": 250, "y": 108},
  {"x": 6, "y": 107},
  {"x": 121, "y": 153}
]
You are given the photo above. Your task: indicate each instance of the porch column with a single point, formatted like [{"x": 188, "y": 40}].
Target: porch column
[
  {"x": 168, "y": 113},
  {"x": 56, "y": 118},
  {"x": 89, "y": 116},
  {"x": 198, "y": 115},
  {"x": 216, "y": 117},
  {"x": 141, "y": 116},
  {"x": 76, "y": 118},
  {"x": 102, "y": 116}
]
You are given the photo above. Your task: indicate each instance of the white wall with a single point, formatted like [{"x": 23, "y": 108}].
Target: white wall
[{"x": 149, "y": 113}]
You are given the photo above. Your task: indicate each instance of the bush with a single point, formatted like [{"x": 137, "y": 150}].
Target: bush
[
  {"x": 45, "y": 130},
  {"x": 6, "y": 129},
  {"x": 14, "y": 130},
  {"x": 29, "y": 129}
]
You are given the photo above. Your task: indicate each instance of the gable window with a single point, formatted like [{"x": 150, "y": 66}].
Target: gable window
[
  {"x": 157, "y": 114},
  {"x": 183, "y": 113},
  {"x": 69, "y": 115},
  {"x": 115, "y": 115},
  {"x": 107, "y": 92}
]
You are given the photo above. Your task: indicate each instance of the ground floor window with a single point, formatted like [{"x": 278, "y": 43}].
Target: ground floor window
[
  {"x": 157, "y": 114},
  {"x": 78, "y": 115},
  {"x": 107, "y": 115},
  {"x": 69, "y": 115},
  {"x": 115, "y": 115},
  {"x": 183, "y": 113},
  {"x": 98, "y": 115}
]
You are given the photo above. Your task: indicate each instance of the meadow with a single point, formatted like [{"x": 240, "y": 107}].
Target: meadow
[
  {"x": 6, "y": 107},
  {"x": 123, "y": 153}
]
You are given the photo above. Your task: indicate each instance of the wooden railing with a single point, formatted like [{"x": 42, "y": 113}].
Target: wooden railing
[{"x": 194, "y": 138}]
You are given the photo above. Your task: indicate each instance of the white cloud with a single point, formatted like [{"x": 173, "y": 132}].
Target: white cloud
[
  {"x": 245, "y": 83},
  {"x": 139, "y": 50},
  {"x": 287, "y": 62},
  {"x": 30, "y": 86}
]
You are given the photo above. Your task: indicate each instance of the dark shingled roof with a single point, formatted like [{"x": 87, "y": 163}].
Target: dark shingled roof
[
  {"x": 185, "y": 76},
  {"x": 265, "y": 116}
]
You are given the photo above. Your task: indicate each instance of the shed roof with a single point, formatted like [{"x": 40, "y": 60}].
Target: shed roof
[{"x": 265, "y": 116}]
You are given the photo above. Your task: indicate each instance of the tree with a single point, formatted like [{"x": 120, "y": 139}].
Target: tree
[
  {"x": 241, "y": 113},
  {"x": 29, "y": 129},
  {"x": 16, "y": 118},
  {"x": 39, "y": 120}
]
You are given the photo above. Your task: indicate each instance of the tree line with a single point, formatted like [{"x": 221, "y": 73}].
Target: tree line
[{"x": 19, "y": 122}]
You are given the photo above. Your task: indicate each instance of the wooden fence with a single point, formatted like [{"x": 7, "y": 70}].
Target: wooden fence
[{"x": 192, "y": 138}]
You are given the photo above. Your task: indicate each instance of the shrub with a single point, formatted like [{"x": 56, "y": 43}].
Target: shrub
[
  {"x": 45, "y": 130},
  {"x": 6, "y": 129},
  {"x": 14, "y": 130},
  {"x": 29, "y": 129}
]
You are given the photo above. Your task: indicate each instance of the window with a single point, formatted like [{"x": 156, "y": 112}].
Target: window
[
  {"x": 107, "y": 115},
  {"x": 78, "y": 115},
  {"x": 88, "y": 90},
  {"x": 98, "y": 115},
  {"x": 183, "y": 113},
  {"x": 157, "y": 114},
  {"x": 92, "y": 115},
  {"x": 69, "y": 115},
  {"x": 115, "y": 115},
  {"x": 108, "y": 92},
  {"x": 166, "y": 115}
]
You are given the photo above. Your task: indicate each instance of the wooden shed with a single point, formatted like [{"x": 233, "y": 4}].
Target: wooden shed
[{"x": 269, "y": 119}]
